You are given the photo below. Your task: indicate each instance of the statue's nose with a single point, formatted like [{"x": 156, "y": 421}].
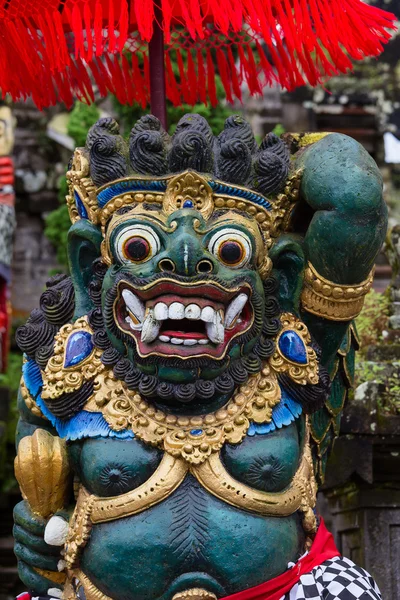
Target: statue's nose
[{"x": 187, "y": 257}]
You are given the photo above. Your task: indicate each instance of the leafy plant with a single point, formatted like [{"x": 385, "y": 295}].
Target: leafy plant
[
  {"x": 371, "y": 323},
  {"x": 373, "y": 320},
  {"x": 9, "y": 380},
  {"x": 81, "y": 118},
  {"x": 58, "y": 224}
]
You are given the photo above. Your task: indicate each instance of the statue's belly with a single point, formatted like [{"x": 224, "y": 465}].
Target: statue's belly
[{"x": 190, "y": 540}]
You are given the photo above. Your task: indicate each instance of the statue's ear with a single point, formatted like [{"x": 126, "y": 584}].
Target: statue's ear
[
  {"x": 84, "y": 240},
  {"x": 288, "y": 266}
]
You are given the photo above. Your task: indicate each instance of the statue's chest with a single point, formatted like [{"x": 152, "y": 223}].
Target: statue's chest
[{"x": 110, "y": 467}]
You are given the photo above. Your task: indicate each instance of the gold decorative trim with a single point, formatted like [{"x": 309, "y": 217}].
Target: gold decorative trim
[
  {"x": 283, "y": 206},
  {"x": 42, "y": 471},
  {"x": 191, "y": 187},
  {"x": 77, "y": 579},
  {"x": 194, "y": 594},
  {"x": 80, "y": 183},
  {"x": 306, "y": 139},
  {"x": 333, "y": 301},
  {"x": 79, "y": 529},
  {"x": 58, "y": 379},
  {"x": 29, "y": 401},
  {"x": 300, "y": 495},
  {"x": 126, "y": 199},
  {"x": 300, "y": 373},
  {"x": 264, "y": 270},
  {"x": 191, "y": 438},
  {"x": 54, "y": 576},
  {"x": 167, "y": 477}
]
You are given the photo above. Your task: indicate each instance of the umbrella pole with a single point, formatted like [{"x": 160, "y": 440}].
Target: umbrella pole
[{"x": 158, "y": 100}]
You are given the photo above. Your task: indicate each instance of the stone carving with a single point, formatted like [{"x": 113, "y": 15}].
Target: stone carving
[{"x": 192, "y": 371}]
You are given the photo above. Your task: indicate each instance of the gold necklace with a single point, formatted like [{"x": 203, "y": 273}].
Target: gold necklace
[{"x": 193, "y": 438}]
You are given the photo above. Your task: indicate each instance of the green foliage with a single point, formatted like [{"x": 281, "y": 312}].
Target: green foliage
[
  {"x": 58, "y": 224},
  {"x": 11, "y": 377},
  {"x": 82, "y": 117},
  {"x": 367, "y": 370},
  {"x": 390, "y": 404},
  {"x": 9, "y": 380},
  {"x": 279, "y": 129},
  {"x": 372, "y": 320}
]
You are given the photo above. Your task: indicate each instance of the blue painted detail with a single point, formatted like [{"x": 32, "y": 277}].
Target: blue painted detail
[
  {"x": 220, "y": 188},
  {"x": 79, "y": 346},
  {"x": 284, "y": 413},
  {"x": 82, "y": 212},
  {"x": 196, "y": 431},
  {"x": 188, "y": 204},
  {"x": 32, "y": 377},
  {"x": 129, "y": 185},
  {"x": 83, "y": 425},
  {"x": 292, "y": 347}
]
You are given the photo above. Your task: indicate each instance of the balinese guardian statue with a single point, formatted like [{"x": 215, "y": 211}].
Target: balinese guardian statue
[{"x": 181, "y": 390}]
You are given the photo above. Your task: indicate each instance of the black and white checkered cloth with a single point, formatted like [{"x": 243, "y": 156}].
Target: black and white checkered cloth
[{"x": 336, "y": 579}]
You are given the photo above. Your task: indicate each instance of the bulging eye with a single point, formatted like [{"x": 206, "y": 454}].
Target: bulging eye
[
  {"x": 231, "y": 247},
  {"x": 137, "y": 244}
]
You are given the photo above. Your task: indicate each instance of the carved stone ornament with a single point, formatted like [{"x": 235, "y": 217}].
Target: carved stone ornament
[{"x": 182, "y": 389}]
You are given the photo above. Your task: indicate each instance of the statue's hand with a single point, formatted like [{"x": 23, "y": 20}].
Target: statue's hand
[
  {"x": 38, "y": 546},
  {"x": 343, "y": 186}
]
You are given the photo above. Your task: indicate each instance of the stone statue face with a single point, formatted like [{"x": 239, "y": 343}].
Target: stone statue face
[
  {"x": 187, "y": 254},
  {"x": 183, "y": 292}
]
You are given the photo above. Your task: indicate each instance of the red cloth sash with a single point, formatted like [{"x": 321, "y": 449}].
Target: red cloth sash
[{"x": 322, "y": 549}]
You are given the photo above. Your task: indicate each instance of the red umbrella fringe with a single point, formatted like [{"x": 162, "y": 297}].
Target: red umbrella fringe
[{"x": 292, "y": 43}]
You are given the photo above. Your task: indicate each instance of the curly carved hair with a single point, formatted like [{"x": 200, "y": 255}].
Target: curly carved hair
[{"x": 233, "y": 156}]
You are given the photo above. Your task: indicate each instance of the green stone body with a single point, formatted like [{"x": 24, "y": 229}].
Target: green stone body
[{"x": 192, "y": 539}]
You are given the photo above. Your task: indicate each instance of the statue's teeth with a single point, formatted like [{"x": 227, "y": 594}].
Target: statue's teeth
[
  {"x": 164, "y": 338},
  {"x": 151, "y": 328},
  {"x": 216, "y": 329},
  {"x": 208, "y": 314},
  {"x": 190, "y": 342},
  {"x": 161, "y": 311},
  {"x": 135, "y": 307},
  {"x": 192, "y": 312},
  {"x": 176, "y": 311},
  {"x": 234, "y": 309}
]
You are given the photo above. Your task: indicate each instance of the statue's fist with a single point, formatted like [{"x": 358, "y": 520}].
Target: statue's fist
[
  {"x": 343, "y": 186},
  {"x": 38, "y": 545}
]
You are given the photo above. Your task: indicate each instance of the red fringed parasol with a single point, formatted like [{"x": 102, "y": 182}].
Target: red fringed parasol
[{"x": 54, "y": 50}]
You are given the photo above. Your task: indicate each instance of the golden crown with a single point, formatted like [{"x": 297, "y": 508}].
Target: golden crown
[{"x": 174, "y": 192}]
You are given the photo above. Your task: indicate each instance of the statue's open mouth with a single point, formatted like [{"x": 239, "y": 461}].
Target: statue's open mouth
[{"x": 171, "y": 319}]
